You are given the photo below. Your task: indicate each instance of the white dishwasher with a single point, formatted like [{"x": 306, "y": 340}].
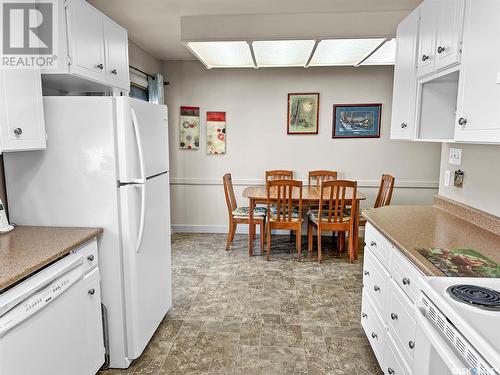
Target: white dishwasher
[{"x": 51, "y": 323}]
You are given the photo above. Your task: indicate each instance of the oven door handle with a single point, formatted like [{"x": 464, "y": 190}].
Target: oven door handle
[{"x": 447, "y": 354}]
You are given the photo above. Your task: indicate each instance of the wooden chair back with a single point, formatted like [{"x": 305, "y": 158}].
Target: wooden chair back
[
  {"x": 229, "y": 193},
  {"x": 317, "y": 177},
  {"x": 333, "y": 201},
  {"x": 384, "y": 195},
  {"x": 279, "y": 174},
  {"x": 282, "y": 193}
]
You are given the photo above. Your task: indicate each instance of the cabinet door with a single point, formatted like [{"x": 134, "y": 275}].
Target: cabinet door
[
  {"x": 86, "y": 40},
  {"x": 426, "y": 38},
  {"x": 22, "y": 125},
  {"x": 116, "y": 43},
  {"x": 450, "y": 18},
  {"x": 478, "y": 110},
  {"x": 405, "y": 80}
]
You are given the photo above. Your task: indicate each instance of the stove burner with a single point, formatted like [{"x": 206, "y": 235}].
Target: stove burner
[{"x": 476, "y": 295}]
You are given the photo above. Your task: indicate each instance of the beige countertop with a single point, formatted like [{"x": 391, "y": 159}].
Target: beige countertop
[
  {"x": 27, "y": 249},
  {"x": 411, "y": 227}
]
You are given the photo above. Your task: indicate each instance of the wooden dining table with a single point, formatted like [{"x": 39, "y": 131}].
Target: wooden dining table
[{"x": 310, "y": 197}]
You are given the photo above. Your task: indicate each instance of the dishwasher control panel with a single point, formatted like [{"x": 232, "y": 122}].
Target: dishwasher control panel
[{"x": 40, "y": 299}]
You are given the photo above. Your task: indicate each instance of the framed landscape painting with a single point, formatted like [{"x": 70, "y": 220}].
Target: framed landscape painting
[
  {"x": 356, "y": 120},
  {"x": 303, "y": 111}
]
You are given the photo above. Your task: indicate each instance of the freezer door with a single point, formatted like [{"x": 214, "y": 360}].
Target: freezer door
[
  {"x": 142, "y": 138},
  {"x": 146, "y": 256}
]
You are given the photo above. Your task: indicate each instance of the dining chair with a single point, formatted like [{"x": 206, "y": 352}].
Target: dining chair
[
  {"x": 240, "y": 215},
  {"x": 331, "y": 213},
  {"x": 317, "y": 177},
  {"x": 279, "y": 174},
  {"x": 384, "y": 195},
  {"x": 282, "y": 214}
]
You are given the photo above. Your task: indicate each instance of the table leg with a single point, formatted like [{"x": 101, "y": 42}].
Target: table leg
[{"x": 251, "y": 226}]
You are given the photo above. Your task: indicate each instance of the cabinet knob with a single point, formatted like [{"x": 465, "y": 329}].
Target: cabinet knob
[
  {"x": 462, "y": 121},
  {"x": 366, "y": 273},
  {"x": 373, "y": 243},
  {"x": 374, "y": 335},
  {"x": 440, "y": 49},
  {"x": 376, "y": 288},
  {"x": 364, "y": 315},
  {"x": 411, "y": 344},
  {"x": 90, "y": 258},
  {"x": 394, "y": 316},
  {"x": 425, "y": 57},
  {"x": 100, "y": 66},
  {"x": 92, "y": 291},
  {"x": 404, "y": 125},
  {"x": 18, "y": 131},
  {"x": 390, "y": 371},
  {"x": 114, "y": 71},
  {"x": 406, "y": 281}
]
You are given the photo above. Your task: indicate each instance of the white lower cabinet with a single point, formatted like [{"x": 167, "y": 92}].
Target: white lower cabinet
[{"x": 390, "y": 287}]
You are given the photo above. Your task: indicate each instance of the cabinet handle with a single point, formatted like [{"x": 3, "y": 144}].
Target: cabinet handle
[
  {"x": 100, "y": 66},
  {"x": 373, "y": 243},
  {"x": 440, "y": 49},
  {"x": 18, "y": 131},
  {"x": 376, "y": 288},
  {"x": 394, "y": 316},
  {"x": 406, "y": 281},
  {"x": 425, "y": 57},
  {"x": 366, "y": 273},
  {"x": 92, "y": 291},
  {"x": 90, "y": 258},
  {"x": 374, "y": 335},
  {"x": 390, "y": 371},
  {"x": 404, "y": 125},
  {"x": 411, "y": 344},
  {"x": 364, "y": 315},
  {"x": 114, "y": 71},
  {"x": 462, "y": 121}
]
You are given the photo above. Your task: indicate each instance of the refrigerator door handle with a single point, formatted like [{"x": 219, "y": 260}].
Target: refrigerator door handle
[
  {"x": 140, "y": 152},
  {"x": 142, "y": 216}
]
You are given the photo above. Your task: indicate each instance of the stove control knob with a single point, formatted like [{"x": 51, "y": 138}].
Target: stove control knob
[{"x": 411, "y": 344}]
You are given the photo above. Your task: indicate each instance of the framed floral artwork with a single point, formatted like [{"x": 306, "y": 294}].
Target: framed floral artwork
[
  {"x": 216, "y": 133},
  {"x": 189, "y": 132}
]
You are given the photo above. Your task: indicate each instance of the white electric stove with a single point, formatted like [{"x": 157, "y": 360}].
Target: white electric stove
[{"x": 458, "y": 326}]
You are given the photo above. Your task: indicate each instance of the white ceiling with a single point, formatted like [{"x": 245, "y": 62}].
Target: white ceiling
[{"x": 155, "y": 24}]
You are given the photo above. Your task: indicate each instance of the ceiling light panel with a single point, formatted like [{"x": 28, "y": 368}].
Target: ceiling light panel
[
  {"x": 223, "y": 54},
  {"x": 385, "y": 55},
  {"x": 332, "y": 52},
  {"x": 269, "y": 53}
]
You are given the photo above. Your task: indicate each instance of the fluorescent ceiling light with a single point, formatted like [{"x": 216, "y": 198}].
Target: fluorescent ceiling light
[
  {"x": 270, "y": 53},
  {"x": 343, "y": 51},
  {"x": 223, "y": 54},
  {"x": 385, "y": 55}
]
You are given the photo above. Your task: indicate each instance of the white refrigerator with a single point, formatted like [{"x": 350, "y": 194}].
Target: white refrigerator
[{"x": 106, "y": 165}]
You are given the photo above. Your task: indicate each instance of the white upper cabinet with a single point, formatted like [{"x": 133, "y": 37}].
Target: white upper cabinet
[
  {"x": 440, "y": 35},
  {"x": 22, "y": 125},
  {"x": 117, "y": 72},
  {"x": 478, "y": 110},
  {"x": 405, "y": 80},
  {"x": 86, "y": 40},
  {"x": 93, "y": 52}
]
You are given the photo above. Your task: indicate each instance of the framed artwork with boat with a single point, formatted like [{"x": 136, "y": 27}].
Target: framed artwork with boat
[
  {"x": 356, "y": 120},
  {"x": 303, "y": 112}
]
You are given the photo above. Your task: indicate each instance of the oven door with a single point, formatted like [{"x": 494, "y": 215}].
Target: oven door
[{"x": 433, "y": 354}]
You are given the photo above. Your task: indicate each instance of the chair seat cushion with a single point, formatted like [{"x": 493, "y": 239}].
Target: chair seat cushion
[
  {"x": 273, "y": 213},
  {"x": 313, "y": 216},
  {"x": 245, "y": 211}
]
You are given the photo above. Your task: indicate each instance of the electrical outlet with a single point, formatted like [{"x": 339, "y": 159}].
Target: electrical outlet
[
  {"x": 447, "y": 177},
  {"x": 455, "y": 157}
]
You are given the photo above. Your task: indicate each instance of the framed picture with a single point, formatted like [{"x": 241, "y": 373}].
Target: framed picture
[
  {"x": 356, "y": 120},
  {"x": 216, "y": 133},
  {"x": 303, "y": 111},
  {"x": 189, "y": 132}
]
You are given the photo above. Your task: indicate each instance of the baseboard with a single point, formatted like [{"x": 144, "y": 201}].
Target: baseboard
[{"x": 242, "y": 229}]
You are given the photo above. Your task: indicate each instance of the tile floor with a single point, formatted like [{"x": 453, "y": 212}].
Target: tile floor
[{"x": 238, "y": 315}]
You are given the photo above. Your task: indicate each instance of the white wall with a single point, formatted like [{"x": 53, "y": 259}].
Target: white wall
[
  {"x": 256, "y": 104},
  {"x": 480, "y": 164},
  {"x": 142, "y": 59}
]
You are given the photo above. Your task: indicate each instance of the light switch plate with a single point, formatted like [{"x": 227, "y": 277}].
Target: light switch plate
[
  {"x": 447, "y": 176},
  {"x": 455, "y": 157}
]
